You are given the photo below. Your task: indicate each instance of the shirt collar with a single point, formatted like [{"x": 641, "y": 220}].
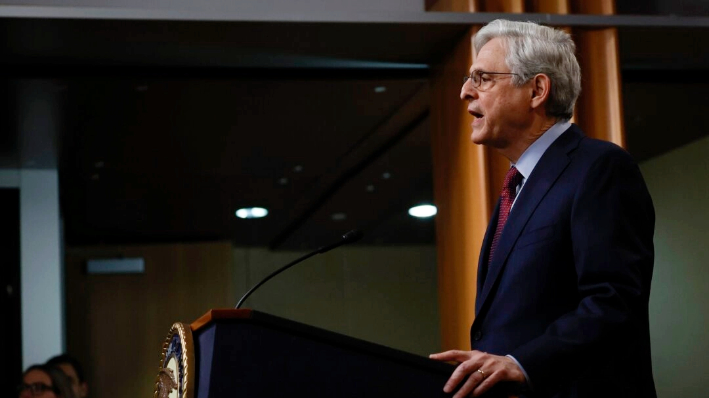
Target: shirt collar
[{"x": 531, "y": 156}]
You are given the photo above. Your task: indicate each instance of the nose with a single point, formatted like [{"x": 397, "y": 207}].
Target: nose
[{"x": 467, "y": 92}]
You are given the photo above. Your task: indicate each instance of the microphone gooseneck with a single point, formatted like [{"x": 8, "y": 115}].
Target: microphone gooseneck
[{"x": 349, "y": 237}]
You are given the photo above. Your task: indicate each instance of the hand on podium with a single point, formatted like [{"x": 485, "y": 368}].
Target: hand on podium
[{"x": 483, "y": 371}]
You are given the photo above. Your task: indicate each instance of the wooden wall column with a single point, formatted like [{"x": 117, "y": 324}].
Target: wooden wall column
[
  {"x": 600, "y": 106},
  {"x": 468, "y": 177},
  {"x": 467, "y": 182}
]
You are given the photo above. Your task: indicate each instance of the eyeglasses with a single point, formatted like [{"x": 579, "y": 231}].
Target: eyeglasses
[
  {"x": 481, "y": 80},
  {"x": 35, "y": 389}
]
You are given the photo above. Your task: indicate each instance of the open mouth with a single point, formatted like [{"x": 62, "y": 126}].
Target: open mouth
[{"x": 477, "y": 115}]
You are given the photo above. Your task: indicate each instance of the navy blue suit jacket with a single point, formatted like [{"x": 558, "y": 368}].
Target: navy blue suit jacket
[{"x": 567, "y": 291}]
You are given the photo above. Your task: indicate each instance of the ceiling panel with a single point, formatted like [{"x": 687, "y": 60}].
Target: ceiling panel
[{"x": 160, "y": 159}]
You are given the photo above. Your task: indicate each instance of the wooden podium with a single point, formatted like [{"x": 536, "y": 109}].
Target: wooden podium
[{"x": 246, "y": 353}]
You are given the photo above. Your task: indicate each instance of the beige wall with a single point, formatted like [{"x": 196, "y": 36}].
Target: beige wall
[
  {"x": 386, "y": 295},
  {"x": 116, "y": 324},
  {"x": 679, "y": 301}
]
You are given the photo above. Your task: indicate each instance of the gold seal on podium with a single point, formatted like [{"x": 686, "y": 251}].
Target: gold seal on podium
[{"x": 176, "y": 375}]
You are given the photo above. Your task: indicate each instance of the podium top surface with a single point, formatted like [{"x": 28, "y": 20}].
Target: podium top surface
[{"x": 217, "y": 316}]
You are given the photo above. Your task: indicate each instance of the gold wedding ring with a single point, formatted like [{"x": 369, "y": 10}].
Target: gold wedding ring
[{"x": 481, "y": 372}]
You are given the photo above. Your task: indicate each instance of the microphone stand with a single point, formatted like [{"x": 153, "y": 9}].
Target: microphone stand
[{"x": 349, "y": 237}]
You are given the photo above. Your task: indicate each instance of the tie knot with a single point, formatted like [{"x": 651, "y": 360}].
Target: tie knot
[{"x": 512, "y": 179}]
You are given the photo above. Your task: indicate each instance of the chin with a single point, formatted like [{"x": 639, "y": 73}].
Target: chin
[
  {"x": 479, "y": 138},
  {"x": 488, "y": 141}
]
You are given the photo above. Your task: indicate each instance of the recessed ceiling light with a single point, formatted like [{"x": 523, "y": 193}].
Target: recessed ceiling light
[
  {"x": 423, "y": 211},
  {"x": 339, "y": 216},
  {"x": 252, "y": 212},
  {"x": 298, "y": 168},
  {"x": 380, "y": 89},
  {"x": 283, "y": 180},
  {"x": 370, "y": 188},
  {"x": 386, "y": 175}
]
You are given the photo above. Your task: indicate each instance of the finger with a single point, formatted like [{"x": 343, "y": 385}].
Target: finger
[
  {"x": 460, "y": 373},
  {"x": 452, "y": 355},
  {"x": 458, "y": 355},
  {"x": 469, "y": 385},
  {"x": 487, "y": 383}
]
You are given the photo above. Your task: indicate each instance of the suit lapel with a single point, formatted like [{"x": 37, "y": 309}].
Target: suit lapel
[{"x": 545, "y": 174}]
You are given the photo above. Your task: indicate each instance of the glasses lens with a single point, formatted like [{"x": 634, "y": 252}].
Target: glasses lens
[
  {"x": 34, "y": 388},
  {"x": 22, "y": 388},
  {"x": 473, "y": 77}
]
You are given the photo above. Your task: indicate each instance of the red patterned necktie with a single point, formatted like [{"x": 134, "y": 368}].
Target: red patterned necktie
[{"x": 509, "y": 192}]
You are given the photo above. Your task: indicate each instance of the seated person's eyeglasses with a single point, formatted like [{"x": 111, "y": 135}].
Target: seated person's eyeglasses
[{"x": 34, "y": 389}]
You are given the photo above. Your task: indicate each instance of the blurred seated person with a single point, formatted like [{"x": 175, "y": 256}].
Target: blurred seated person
[
  {"x": 73, "y": 369},
  {"x": 42, "y": 381}
]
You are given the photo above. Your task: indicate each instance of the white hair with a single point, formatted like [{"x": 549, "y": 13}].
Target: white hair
[{"x": 533, "y": 49}]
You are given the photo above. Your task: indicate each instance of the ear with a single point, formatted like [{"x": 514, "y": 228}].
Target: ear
[{"x": 541, "y": 87}]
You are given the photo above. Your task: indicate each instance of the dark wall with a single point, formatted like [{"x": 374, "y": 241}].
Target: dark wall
[
  {"x": 11, "y": 330},
  {"x": 663, "y": 7}
]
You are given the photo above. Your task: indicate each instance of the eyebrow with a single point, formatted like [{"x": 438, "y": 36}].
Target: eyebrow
[{"x": 480, "y": 71}]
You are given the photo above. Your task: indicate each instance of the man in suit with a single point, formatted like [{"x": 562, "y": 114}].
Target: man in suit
[{"x": 565, "y": 268}]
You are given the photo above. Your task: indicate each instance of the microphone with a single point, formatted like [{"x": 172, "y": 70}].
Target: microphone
[{"x": 349, "y": 237}]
